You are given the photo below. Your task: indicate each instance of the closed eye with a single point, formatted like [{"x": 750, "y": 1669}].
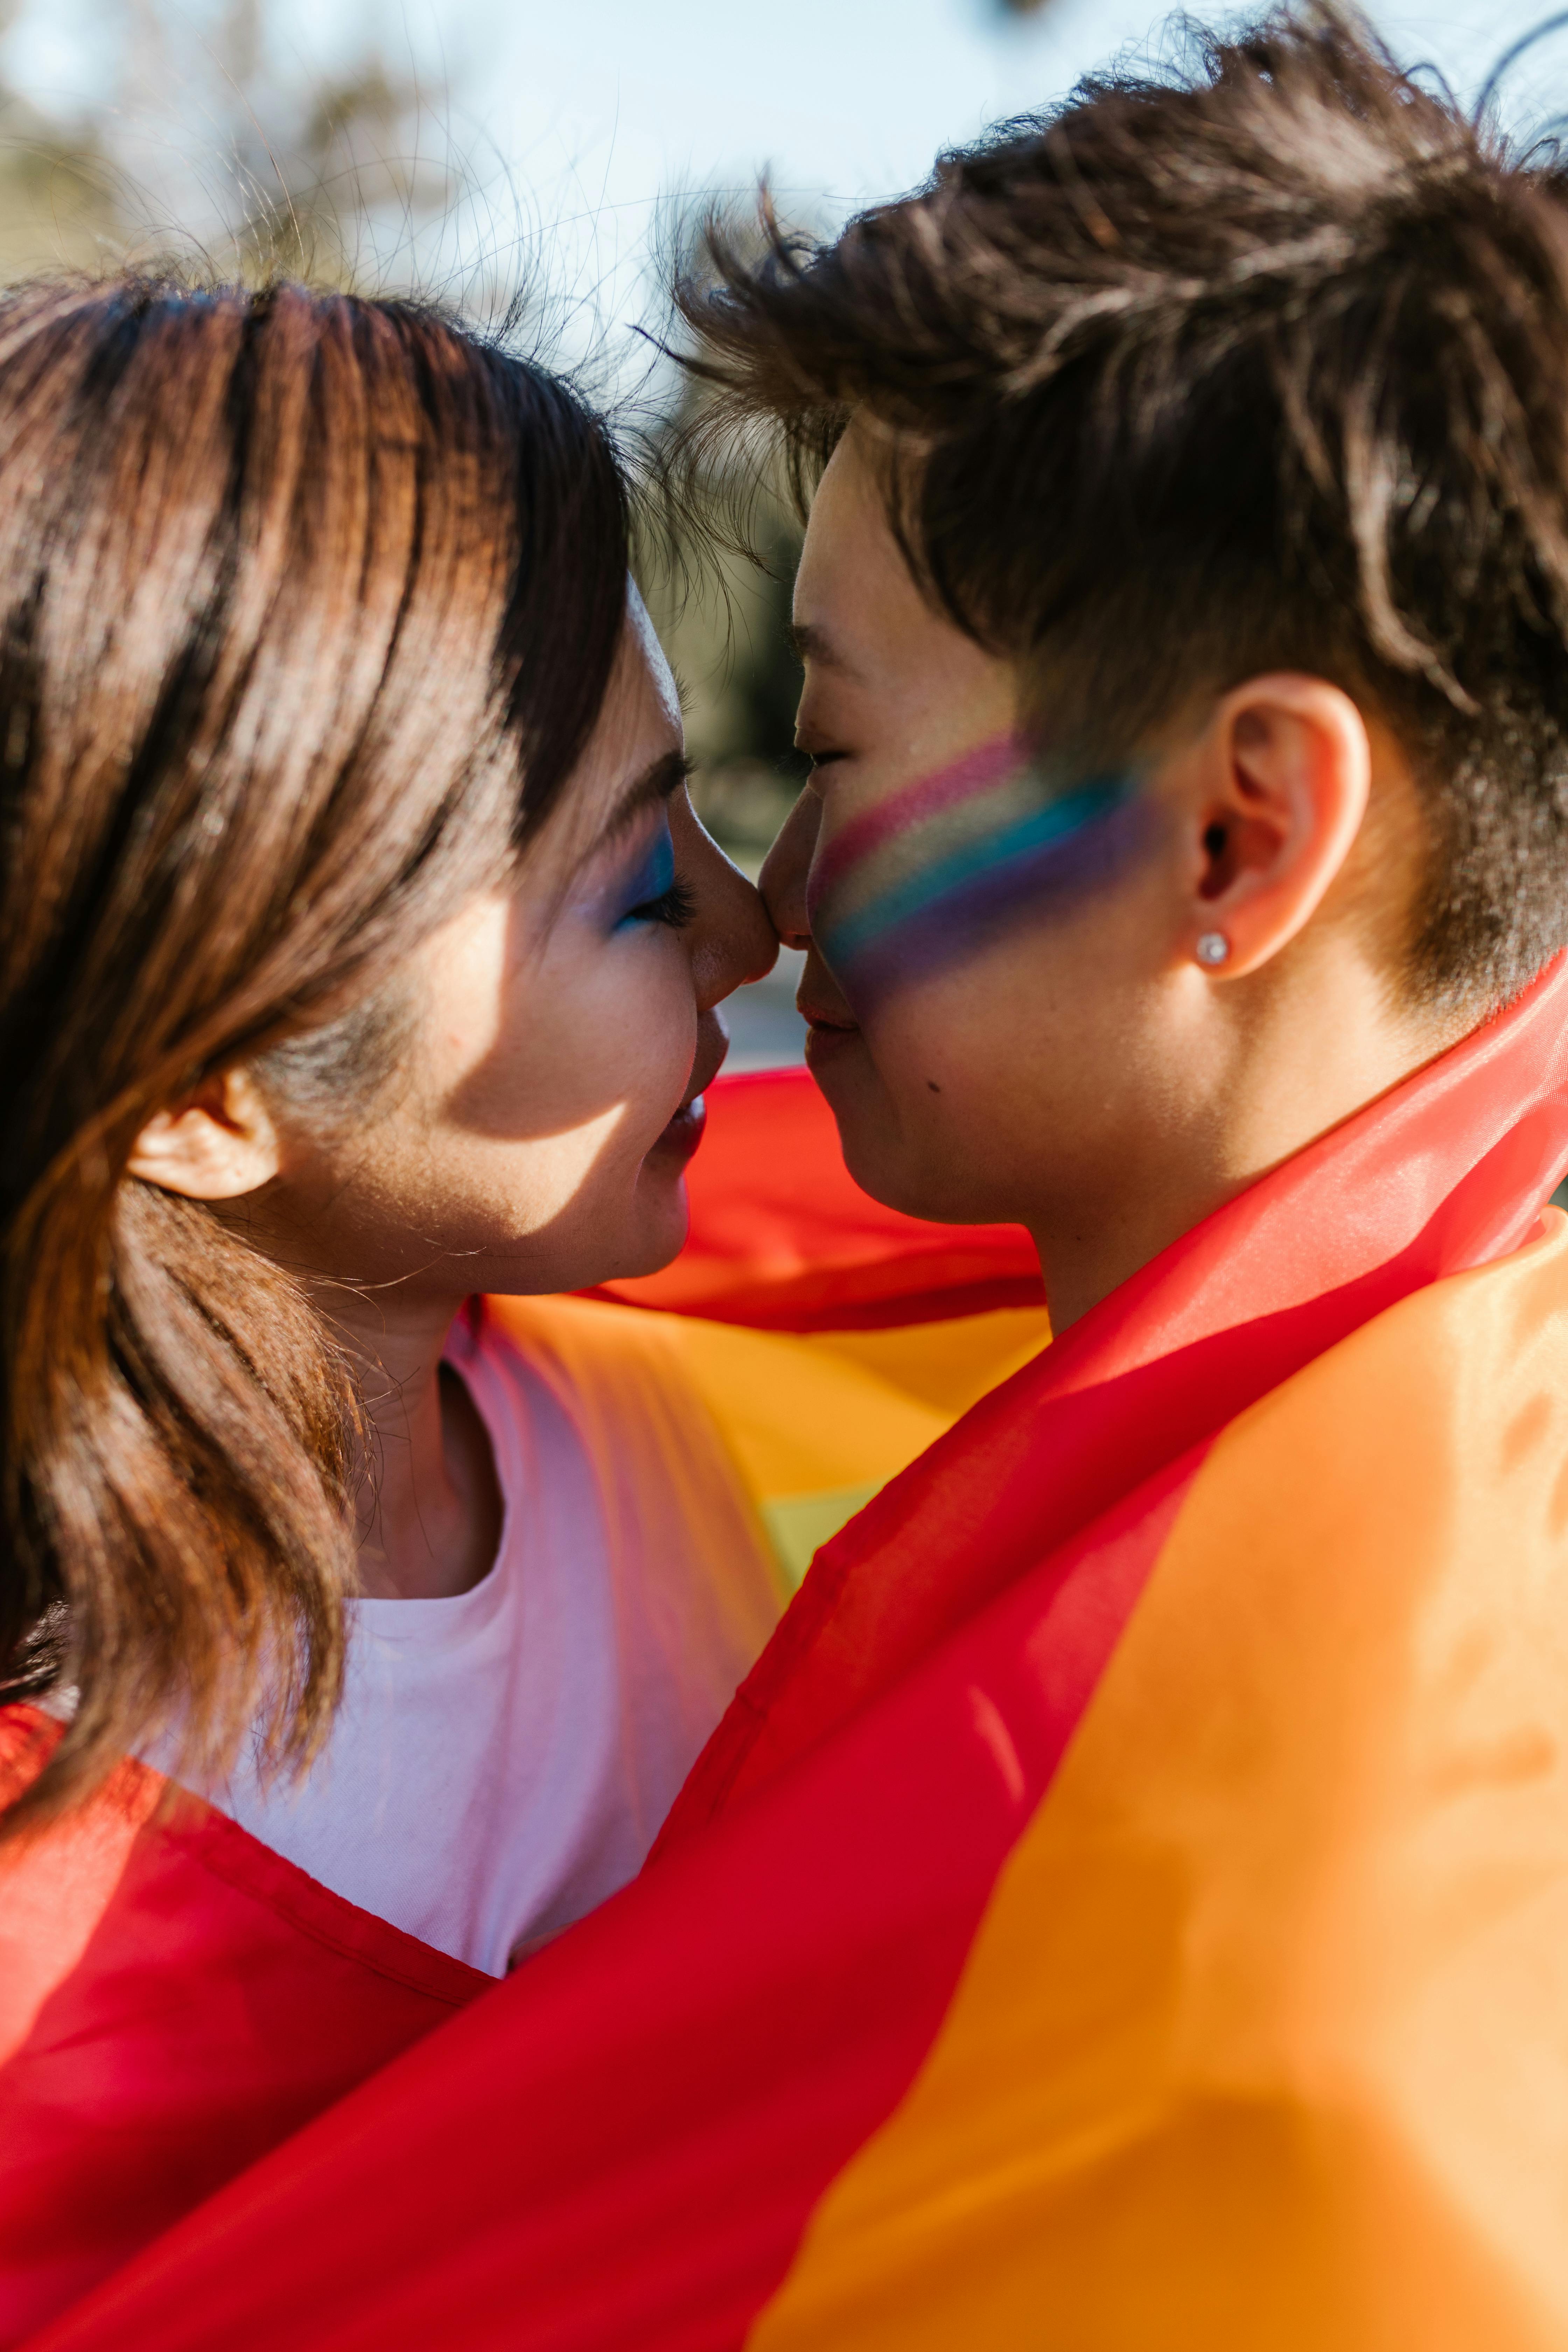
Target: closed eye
[
  {"x": 654, "y": 892},
  {"x": 675, "y": 906}
]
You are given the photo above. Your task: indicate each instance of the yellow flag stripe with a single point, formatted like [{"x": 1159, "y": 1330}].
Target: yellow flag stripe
[{"x": 1264, "y": 2037}]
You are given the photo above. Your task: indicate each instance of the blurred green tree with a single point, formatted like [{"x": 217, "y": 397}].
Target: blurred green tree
[{"x": 199, "y": 142}]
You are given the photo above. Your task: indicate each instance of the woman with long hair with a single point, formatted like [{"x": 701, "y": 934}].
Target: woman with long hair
[{"x": 359, "y": 956}]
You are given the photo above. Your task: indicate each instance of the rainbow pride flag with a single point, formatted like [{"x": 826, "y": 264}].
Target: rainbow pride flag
[
  {"x": 175, "y": 1999},
  {"x": 1126, "y": 1909}
]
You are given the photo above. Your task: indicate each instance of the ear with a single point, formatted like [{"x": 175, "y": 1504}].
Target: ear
[
  {"x": 1279, "y": 785},
  {"x": 215, "y": 1145}
]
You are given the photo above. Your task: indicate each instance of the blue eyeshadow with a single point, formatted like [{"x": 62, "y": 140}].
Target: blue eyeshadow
[{"x": 652, "y": 879}]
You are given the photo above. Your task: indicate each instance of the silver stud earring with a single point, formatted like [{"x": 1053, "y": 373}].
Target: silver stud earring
[{"x": 1212, "y": 948}]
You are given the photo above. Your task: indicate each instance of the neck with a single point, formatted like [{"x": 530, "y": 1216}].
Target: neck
[
  {"x": 429, "y": 1508},
  {"x": 1262, "y": 1075}
]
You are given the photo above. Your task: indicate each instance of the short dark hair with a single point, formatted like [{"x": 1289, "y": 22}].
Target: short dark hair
[
  {"x": 308, "y": 606},
  {"x": 1260, "y": 361}
]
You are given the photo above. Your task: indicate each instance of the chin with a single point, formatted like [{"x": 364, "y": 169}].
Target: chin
[
  {"x": 878, "y": 1153},
  {"x": 657, "y": 1229},
  {"x": 904, "y": 1182},
  {"x": 908, "y": 1155}
]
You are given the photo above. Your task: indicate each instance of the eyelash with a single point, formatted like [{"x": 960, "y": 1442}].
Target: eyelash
[{"x": 676, "y": 906}]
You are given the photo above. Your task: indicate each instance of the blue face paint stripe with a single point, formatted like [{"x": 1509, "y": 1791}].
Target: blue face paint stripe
[
  {"x": 652, "y": 879},
  {"x": 1004, "y": 761},
  {"x": 845, "y": 942},
  {"x": 977, "y": 912}
]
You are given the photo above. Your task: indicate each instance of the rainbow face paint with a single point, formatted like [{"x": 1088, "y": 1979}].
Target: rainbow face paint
[{"x": 943, "y": 866}]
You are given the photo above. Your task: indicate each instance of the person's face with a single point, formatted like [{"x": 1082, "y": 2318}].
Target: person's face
[
  {"x": 985, "y": 936},
  {"x": 537, "y": 1132}
]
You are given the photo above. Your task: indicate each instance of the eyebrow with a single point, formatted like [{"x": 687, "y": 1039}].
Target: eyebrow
[
  {"x": 661, "y": 779},
  {"x": 808, "y": 643}
]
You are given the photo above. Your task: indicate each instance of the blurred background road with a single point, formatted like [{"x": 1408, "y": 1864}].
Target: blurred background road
[{"x": 531, "y": 164}]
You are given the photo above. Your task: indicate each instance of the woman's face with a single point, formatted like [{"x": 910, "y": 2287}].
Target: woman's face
[
  {"x": 986, "y": 938},
  {"x": 535, "y": 1134}
]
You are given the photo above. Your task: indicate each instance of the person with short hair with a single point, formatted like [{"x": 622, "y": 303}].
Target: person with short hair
[{"x": 1126, "y": 1906}]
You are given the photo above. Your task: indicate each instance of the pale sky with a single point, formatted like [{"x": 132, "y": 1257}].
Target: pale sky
[
  {"x": 570, "y": 120},
  {"x": 572, "y": 117}
]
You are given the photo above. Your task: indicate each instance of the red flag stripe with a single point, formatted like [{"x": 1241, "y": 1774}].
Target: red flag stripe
[{"x": 665, "y": 2130}]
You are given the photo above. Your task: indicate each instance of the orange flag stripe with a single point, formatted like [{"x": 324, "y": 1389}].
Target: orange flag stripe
[{"x": 1264, "y": 2036}]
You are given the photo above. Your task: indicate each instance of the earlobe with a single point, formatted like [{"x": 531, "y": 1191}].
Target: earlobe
[
  {"x": 217, "y": 1145},
  {"x": 1285, "y": 774}
]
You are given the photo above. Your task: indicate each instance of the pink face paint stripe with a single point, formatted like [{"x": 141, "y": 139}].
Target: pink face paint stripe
[
  {"x": 939, "y": 832},
  {"x": 979, "y": 770}
]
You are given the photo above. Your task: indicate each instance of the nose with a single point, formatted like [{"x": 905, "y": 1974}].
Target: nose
[
  {"x": 730, "y": 938},
  {"x": 785, "y": 868}
]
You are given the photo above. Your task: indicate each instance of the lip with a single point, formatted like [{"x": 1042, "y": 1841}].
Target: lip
[
  {"x": 713, "y": 1053},
  {"x": 825, "y": 1039},
  {"x": 680, "y": 1136},
  {"x": 681, "y": 1133},
  {"x": 817, "y": 1017}
]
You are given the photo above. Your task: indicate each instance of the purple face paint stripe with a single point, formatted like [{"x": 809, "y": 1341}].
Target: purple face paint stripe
[
  {"x": 1042, "y": 829},
  {"x": 978, "y": 912},
  {"x": 977, "y": 772},
  {"x": 931, "y": 840}
]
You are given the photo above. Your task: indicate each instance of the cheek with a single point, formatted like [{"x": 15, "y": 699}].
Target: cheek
[
  {"x": 929, "y": 881},
  {"x": 630, "y": 1036},
  {"x": 585, "y": 1039},
  {"x": 980, "y": 1065},
  {"x": 540, "y": 1076},
  {"x": 511, "y": 1139},
  {"x": 543, "y": 1180}
]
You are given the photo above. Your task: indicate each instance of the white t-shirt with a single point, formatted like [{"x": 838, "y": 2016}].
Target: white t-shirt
[{"x": 503, "y": 1758}]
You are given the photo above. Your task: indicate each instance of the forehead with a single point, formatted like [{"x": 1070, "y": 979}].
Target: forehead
[
  {"x": 638, "y": 728},
  {"x": 855, "y": 602},
  {"x": 645, "y": 640},
  {"x": 862, "y": 626}
]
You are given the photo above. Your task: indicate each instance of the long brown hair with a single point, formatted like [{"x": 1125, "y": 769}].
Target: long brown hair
[
  {"x": 307, "y": 606},
  {"x": 1260, "y": 361}
]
